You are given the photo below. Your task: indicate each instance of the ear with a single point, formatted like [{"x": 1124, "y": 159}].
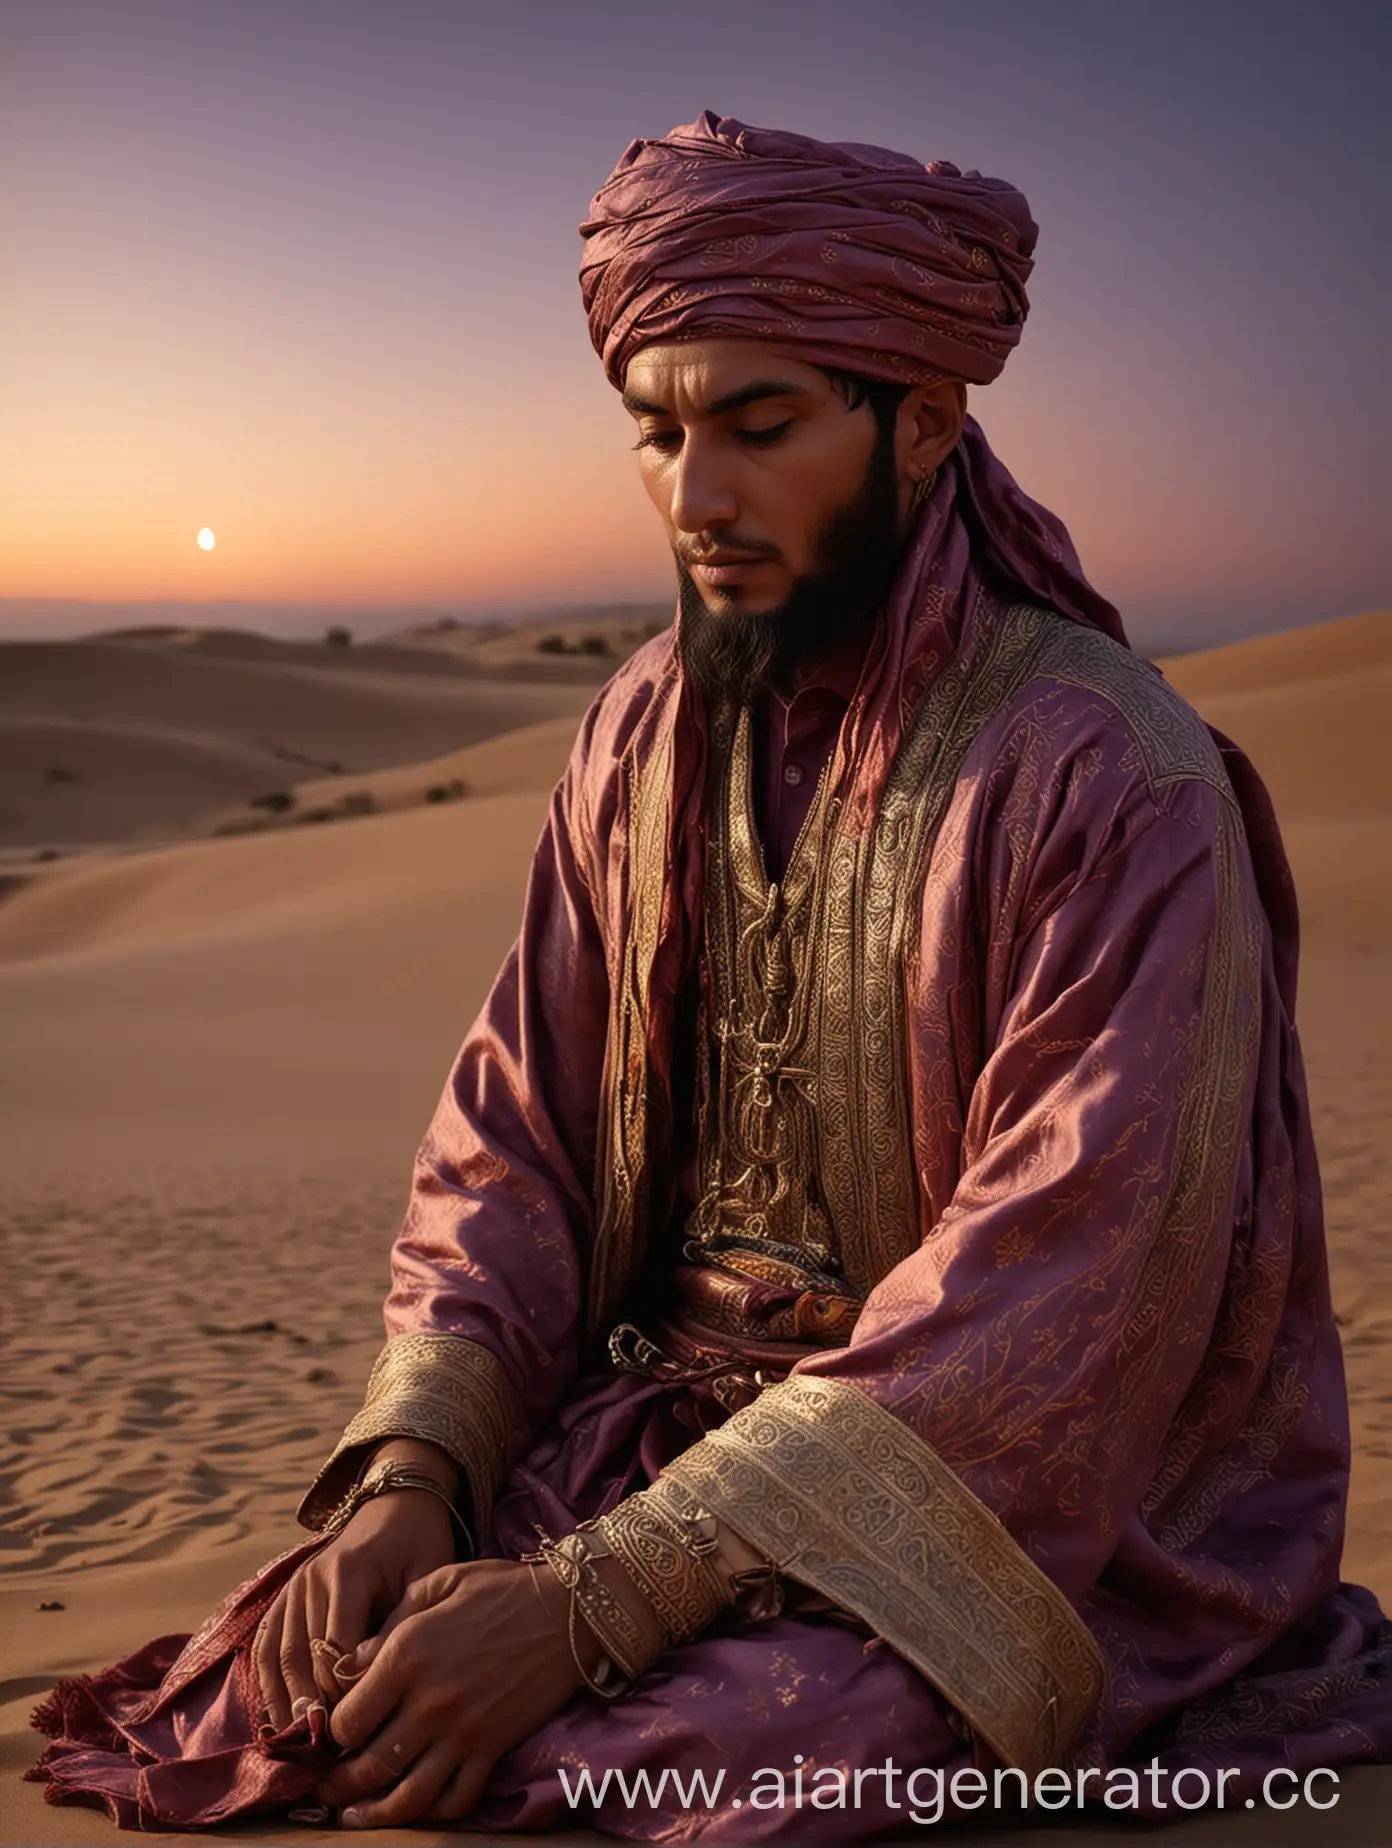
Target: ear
[{"x": 929, "y": 424}]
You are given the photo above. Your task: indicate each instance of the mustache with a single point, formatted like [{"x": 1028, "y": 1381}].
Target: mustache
[{"x": 698, "y": 551}]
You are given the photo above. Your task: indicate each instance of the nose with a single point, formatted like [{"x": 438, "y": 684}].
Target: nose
[{"x": 702, "y": 495}]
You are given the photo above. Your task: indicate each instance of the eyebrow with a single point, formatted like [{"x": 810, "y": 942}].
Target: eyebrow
[{"x": 753, "y": 393}]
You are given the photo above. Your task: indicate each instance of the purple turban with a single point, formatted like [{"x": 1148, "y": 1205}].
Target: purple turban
[{"x": 864, "y": 260}]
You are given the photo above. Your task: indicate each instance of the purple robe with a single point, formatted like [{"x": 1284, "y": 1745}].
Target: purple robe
[{"x": 1110, "y": 1334}]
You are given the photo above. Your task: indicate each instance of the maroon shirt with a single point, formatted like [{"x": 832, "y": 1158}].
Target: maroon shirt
[{"x": 793, "y": 738}]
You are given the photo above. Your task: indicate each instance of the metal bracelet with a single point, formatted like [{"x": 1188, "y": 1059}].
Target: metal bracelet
[
  {"x": 384, "y": 1479},
  {"x": 627, "y": 1651}
]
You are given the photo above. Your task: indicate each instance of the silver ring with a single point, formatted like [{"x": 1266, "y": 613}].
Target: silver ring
[{"x": 396, "y": 1751}]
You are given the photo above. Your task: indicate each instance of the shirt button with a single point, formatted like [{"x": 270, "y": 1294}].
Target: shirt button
[{"x": 792, "y": 775}]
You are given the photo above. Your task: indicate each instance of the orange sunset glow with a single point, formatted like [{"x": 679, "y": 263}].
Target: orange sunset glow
[{"x": 316, "y": 290}]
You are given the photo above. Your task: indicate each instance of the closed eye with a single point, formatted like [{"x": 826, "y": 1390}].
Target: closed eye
[{"x": 764, "y": 439}]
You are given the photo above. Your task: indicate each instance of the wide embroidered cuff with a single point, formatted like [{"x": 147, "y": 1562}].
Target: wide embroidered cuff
[
  {"x": 843, "y": 1497},
  {"x": 443, "y": 1389}
]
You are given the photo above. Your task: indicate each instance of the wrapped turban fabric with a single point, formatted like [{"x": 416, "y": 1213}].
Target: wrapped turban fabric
[{"x": 860, "y": 257}]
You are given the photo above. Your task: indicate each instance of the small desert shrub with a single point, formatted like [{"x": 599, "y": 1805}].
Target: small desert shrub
[
  {"x": 275, "y": 801},
  {"x": 57, "y": 774},
  {"x": 593, "y": 645},
  {"x": 445, "y": 792},
  {"x": 339, "y": 637},
  {"x": 552, "y": 644},
  {"x": 358, "y": 802}
]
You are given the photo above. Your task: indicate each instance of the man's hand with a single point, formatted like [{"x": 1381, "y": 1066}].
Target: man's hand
[
  {"x": 345, "y": 1590},
  {"x": 475, "y": 1658}
]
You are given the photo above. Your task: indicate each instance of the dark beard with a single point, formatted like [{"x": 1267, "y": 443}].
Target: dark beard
[{"x": 854, "y": 557}]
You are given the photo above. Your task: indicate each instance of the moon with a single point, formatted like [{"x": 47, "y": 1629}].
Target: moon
[{"x": 207, "y": 538}]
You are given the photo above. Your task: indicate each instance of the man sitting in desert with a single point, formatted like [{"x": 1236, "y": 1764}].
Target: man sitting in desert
[{"x": 863, "y": 1299}]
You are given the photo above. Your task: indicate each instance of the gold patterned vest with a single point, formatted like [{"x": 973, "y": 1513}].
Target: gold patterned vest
[{"x": 761, "y": 1255}]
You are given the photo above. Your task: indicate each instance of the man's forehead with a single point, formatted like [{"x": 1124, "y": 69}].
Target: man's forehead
[{"x": 696, "y": 375}]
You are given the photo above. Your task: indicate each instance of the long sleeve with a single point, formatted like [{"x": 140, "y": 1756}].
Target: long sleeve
[
  {"x": 483, "y": 1317},
  {"x": 959, "y": 1473},
  {"x": 1046, "y": 1332}
]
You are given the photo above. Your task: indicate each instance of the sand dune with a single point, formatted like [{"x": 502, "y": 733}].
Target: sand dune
[
  {"x": 594, "y": 631},
  {"x": 218, "y": 1058},
  {"x": 530, "y": 759},
  {"x": 1310, "y": 708},
  {"x": 1293, "y": 658},
  {"x": 293, "y": 884},
  {"x": 107, "y": 740}
]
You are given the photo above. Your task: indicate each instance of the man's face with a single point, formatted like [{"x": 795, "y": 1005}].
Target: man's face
[{"x": 781, "y": 504}]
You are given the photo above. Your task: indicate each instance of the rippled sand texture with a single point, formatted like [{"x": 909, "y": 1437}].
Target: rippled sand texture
[{"x": 178, "y": 1370}]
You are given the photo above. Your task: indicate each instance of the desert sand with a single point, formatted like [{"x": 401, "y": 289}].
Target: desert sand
[
  {"x": 165, "y": 734},
  {"x": 220, "y": 1048}
]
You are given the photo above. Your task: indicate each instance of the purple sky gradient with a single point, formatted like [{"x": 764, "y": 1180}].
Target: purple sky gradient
[{"x": 304, "y": 271}]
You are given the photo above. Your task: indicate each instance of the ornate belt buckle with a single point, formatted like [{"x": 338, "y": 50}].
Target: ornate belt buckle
[{"x": 632, "y": 1352}]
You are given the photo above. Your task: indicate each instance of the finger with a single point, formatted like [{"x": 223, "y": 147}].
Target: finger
[
  {"x": 407, "y": 1801},
  {"x": 343, "y": 1630},
  {"x": 382, "y": 1762},
  {"x": 461, "y": 1792},
  {"x": 268, "y": 1665},
  {"x": 316, "y": 1609},
  {"x": 325, "y": 1655},
  {"x": 363, "y": 1710},
  {"x": 296, "y": 1663},
  {"x": 353, "y": 1665}
]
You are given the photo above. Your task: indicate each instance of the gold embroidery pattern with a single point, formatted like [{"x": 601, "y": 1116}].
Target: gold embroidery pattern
[
  {"x": 874, "y": 885},
  {"x": 841, "y": 1495},
  {"x": 1244, "y": 1708},
  {"x": 1247, "y": 1459},
  {"x": 1245, "y": 1403},
  {"x": 443, "y": 1389},
  {"x": 1172, "y": 740},
  {"x": 623, "y": 1169},
  {"x": 758, "y": 1131}
]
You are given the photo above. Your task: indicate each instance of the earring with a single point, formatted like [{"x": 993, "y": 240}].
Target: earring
[{"x": 923, "y": 490}]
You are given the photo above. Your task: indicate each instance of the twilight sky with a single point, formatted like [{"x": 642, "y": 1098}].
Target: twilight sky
[{"x": 303, "y": 271}]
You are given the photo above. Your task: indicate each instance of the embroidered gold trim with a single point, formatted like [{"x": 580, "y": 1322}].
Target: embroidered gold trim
[
  {"x": 1173, "y": 741},
  {"x": 841, "y": 1495},
  {"x": 442, "y": 1389},
  {"x": 874, "y": 893},
  {"x": 658, "y": 1538},
  {"x": 623, "y": 1170}
]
